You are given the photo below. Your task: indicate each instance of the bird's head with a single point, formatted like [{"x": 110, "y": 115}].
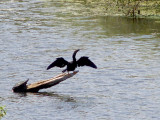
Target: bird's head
[{"x": 77, "y": 50}]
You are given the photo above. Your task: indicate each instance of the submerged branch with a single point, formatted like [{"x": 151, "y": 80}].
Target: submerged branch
[{"x": 35, "y": 87}]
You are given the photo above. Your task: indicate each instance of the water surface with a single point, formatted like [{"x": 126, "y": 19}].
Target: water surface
[{"x": 127, "y": 52}]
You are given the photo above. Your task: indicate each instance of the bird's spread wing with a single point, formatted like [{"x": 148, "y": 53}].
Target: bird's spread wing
[
  {"x": 59, "y": 62},
  {"x": 85, "y": 61}
]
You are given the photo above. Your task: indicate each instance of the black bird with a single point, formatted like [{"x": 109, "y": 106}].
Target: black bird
[{"x": 71, "y": 66}]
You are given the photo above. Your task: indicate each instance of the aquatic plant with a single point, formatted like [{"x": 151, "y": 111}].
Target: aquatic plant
[
  {"x": 135, "y": 8},
  {"x": 2, "y": 111},
  {"x": 131, "y": 8}
]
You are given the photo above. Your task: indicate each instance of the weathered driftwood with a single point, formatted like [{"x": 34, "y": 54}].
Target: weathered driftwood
[{"x": 35, "y": 87}]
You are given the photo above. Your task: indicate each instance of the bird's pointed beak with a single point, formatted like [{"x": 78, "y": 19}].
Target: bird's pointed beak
[{"x": 77, "y": 50}]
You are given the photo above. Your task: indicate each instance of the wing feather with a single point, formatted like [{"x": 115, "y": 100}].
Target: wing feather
[
  {"x": 59, "y": 62},
  {"x": 85, "y": 61}
]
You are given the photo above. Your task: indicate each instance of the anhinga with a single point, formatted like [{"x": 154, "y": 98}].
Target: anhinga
[{"x": 71, "y": 66}]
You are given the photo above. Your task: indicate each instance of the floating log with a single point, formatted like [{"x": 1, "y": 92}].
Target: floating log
[{"x": 35, "y": 87}]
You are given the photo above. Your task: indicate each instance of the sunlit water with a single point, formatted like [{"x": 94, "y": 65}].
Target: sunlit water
[{"x": 126, "y": 85}]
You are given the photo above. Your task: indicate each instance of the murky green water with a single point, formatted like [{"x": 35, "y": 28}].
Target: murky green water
[{"x": 126, "y": 85}]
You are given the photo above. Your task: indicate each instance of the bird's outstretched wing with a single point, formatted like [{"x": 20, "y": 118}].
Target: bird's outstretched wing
[
  {"x": 86, "y": 61},
  {"x": 59, "y": 62}
]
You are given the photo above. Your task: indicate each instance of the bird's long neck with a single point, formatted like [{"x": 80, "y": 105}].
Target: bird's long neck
[{"x": 74, "y": 55}]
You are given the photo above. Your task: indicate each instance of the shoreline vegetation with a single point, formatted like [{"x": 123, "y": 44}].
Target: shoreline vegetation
[
  {"x": 2, "y": 112},
  {"x": 129, "y": 8}
]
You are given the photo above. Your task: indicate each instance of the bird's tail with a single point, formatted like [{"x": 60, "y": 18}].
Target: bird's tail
[{"x": 64, "y": 70}]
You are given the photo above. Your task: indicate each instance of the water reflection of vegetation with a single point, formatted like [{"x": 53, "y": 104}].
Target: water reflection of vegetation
[{"x": 126, "y": 26}]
